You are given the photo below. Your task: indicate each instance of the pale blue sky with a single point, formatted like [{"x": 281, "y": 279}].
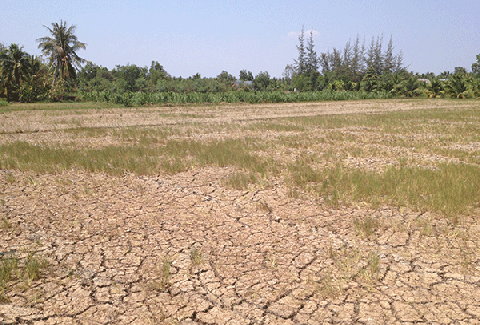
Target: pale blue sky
[{"x": 191, "y": 36}]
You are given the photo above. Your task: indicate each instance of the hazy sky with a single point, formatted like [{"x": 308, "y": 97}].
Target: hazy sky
[{"x": 190, "y": 36}]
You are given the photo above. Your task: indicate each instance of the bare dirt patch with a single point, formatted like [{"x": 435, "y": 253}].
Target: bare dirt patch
[
  {"x": 48, "y": 120},
  {"x": 187, "y": 248}
]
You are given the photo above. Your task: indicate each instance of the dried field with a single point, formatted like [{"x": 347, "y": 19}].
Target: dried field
[{"x": 337, "y": 212}]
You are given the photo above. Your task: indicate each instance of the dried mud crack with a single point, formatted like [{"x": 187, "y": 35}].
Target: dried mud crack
[{"x": 125, "y": 256}]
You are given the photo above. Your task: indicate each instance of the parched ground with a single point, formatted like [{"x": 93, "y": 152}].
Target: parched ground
[{"x": 186, "y": 248}]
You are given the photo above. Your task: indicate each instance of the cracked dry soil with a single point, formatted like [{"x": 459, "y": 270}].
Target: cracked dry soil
[{"x": 186, "y": 249}]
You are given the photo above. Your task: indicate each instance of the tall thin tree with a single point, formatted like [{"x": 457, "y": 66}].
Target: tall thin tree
[
  {"x": 61, "y": 49},
  {"x": 311, "y": 60},
  {"x": 358, "y": 59},
  {"x": 300, "y": 64},
  {"x": 389, "y": 58}
]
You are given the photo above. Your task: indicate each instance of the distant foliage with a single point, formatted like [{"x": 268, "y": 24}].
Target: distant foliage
[
  {"x": 16, "y": 68},
  {"x": 343, "y": 69},
  {"x": 143, "y": 98},
  {"x": 23, "y": 77},
  {"x": 354, "y": 72}
]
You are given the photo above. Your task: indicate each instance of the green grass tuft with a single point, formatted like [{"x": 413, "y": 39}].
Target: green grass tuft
[
  {"x": 8, "y": 268},
  {"x": 196, "y": 256},
  {"x": 366, "y": 227},
  {"x": 240, "y": 180}
]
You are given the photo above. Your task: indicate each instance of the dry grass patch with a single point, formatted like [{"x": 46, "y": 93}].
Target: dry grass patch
[
  {"x": 309, "y": 152},
  {"x": 239, "y": 180},
  {"x": 56, "y": 106},
  {"x": 162, "y": 283},
  {"x": 196, "y": 256},
  {"x": 452, "y": 189},
  {"x": 366, "y": 227}
]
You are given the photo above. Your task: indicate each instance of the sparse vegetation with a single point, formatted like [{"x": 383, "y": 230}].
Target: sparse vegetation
[
  {"x": 5, "y": 224},
  {"x": 196, "y": 256},
  {"x": 12, "y": 268},
  {"x": 328, "y": 287},
  {"x": 9, "y": 178},
  {"x": 163, "y": 281},
  {"x": 263, "y": 206},
  {"x": 240, "y": 180},
  {"x": 366, "y": 227},
  {"x": 8, "y": 268},
  {"x": 165, "y": 275},
  {"x": 373, "y": 266},
  {"x": 34, "y": 267}
]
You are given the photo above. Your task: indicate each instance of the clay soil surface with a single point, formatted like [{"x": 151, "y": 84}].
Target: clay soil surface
[{"x": 198, "y": 246}]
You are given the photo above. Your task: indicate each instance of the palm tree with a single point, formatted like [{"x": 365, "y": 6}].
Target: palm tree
[
  {"x": 16, "y": 66},
  {"x": 61, "y": 50}
]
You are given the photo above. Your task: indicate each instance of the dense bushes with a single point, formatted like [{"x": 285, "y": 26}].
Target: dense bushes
[
  {"x": 462, "y": 86},
  {"x": 142, "y": 98}
]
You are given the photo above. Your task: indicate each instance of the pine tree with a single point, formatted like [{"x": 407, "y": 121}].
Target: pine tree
[
  {"x": 357, "y": 64},
  {"x": 300, "y": 64},
  {"x": 389, "y": 59},
  {"x": 311, "y": 61},
  {"x": 378, "y": 57},
  {"x": 346, "y": 68},
  {"x": 336, "y": 60},
  {"x": 324, "y": 59}
]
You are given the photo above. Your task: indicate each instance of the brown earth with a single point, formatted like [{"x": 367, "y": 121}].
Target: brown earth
[{"x": 186, "y": 249}]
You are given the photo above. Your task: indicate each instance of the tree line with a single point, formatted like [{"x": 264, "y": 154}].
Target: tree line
[
  {"x": 372, "y": 67},
  {"x": 61, "y": 74}
]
